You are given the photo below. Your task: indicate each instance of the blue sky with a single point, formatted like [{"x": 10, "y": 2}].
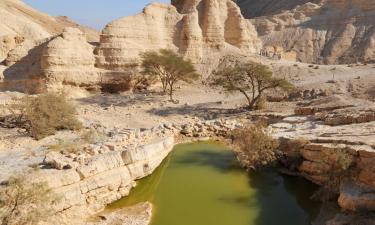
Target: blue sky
[{"x": 94, "y": 13}]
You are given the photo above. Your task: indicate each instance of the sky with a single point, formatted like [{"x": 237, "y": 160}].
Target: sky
[{"x": 93, "y": 13}]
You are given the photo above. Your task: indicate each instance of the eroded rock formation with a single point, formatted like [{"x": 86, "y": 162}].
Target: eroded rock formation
[
  {"x": 20, "y": 22},
  {"x": 325, "y": 31},
  {"x": 69, "y": 59},
  {"x": 87, "y": 187},
  {"x": 200, "y": 30}
]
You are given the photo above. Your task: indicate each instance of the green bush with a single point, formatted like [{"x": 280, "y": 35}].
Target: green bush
[{"x": 46, "y": 114}]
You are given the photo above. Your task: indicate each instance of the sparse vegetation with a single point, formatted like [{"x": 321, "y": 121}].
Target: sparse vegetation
[
  {"x": 24, "y": 202},
  {"x": 254, "y": 146},
  {"x": 251, "y": 79},
  {"x": 45, "y": 114},
  {"x": 169, "y": 67}
]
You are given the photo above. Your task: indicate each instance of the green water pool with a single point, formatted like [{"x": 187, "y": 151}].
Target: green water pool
[{"x": 201, "y": 184}]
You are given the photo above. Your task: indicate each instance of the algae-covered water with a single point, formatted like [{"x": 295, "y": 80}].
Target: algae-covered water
[{"x": 201, "y": 184}]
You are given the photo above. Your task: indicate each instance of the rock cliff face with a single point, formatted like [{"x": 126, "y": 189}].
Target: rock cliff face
[
  {"x": 86, "y": 188},
  {"x": 325, "y": 31},
  {"x": 69, "y": 59},
  {"x": 19, "y": 22},
  {"x": 200, "y": 30}
]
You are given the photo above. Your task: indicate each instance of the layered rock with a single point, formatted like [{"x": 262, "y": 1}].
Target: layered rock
[
  {"x": 69, "y": 59},
  {"x": 334, "y": 135},
  {"x": 328, "y": 31},
  {"x": 200, "y": 30},
  {"x": 122, "y": 40},
  {"x": 21, "y": 22},
  {"x": 104, "y": 178}
]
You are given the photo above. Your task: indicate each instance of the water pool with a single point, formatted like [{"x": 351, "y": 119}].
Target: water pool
[{"x": 201, "y": 184}]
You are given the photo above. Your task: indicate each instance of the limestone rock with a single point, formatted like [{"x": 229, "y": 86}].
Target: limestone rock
[
  {"x": 58, "y": 161},
  {"x": 200, "y": 30},
  {"x": 328, "y": 31},
  {"x": 69, "y": 59},
  {"x": 355, "y": 198},
  {"x": 139, "y": 214},
  {"x": 20, "y": 23},
  {"x": 101, "y": 163}
]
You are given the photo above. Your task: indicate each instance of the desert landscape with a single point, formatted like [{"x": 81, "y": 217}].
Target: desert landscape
[{"x": 93, "y": 124}]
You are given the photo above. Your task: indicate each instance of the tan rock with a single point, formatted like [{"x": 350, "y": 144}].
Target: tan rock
[
  {"x": 318, "y": 31},
  {"x": 199, "y": 33},
  {"x": 69, "y": 59}
]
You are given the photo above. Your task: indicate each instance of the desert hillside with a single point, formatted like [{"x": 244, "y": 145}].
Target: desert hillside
[
  {"x": 20, "y": 22},
  {"x": 327, "y": 31}
]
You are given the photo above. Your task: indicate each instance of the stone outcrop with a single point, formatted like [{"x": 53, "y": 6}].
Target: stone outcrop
[
  {"x": 90, "y": 185},
  {"x": 69, "y": 59},
  {"x": 21, "y": 23},
  {"x": 200, "y": 30},
  {"x": 331, "y": 138},
  {"x": 139, "y": 214},
  {"x": 327, "y": 32}
]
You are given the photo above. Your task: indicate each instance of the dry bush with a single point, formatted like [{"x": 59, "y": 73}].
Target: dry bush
[
  {"x": 261, "y": 103},
  {"x": 46, "y": 114},
  {"x": 254, "y": 146},
  {"x": 24, "y": 202}
]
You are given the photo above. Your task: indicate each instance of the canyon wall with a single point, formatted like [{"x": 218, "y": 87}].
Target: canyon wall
[
  {"x": 199, "y": 30},
  {"x": 324, "y": 31},
  {"x": 20, "y": 22}
]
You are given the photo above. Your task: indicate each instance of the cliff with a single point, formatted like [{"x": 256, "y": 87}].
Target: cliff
[
  {"x": 199, "y": 30},
  {"x": 325, "y": 31}
]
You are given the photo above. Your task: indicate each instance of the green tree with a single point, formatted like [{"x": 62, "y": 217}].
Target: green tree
[
  {"x": 169, "y": 67},
  {"x": 251, "y": 79}
]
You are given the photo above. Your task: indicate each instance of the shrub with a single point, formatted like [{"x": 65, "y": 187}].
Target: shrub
[
  {"x": 46, "y": 114},
  {"x": 24, "y": 202},
  {"x": 254, "y": 146},
  {"x": 250, "y": 79},
  {"x": 261, "y": 103}
]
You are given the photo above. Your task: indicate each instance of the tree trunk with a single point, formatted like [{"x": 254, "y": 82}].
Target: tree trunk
[
  {"x": 249, "y": 100},
  {"x": 171, "y": 92}
]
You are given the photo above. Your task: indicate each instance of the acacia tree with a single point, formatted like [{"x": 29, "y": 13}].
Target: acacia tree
[
  {"x": 169, "y": 67},
  {"x": 250, "y": 79}
]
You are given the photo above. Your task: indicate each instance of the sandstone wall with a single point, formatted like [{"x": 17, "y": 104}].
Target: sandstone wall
[
  {"x": 328, "y": 32},
  {"x": 200, "y": 30},
  {"x": 69, "y": 59},
  {"x": 103, "y": 179},
  {"x": 20, "y": 22}
]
